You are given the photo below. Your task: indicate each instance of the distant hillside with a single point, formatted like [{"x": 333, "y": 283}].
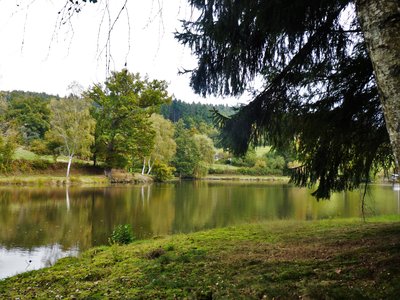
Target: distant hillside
[
  {"x": 193, "y": 112},
  {"x": 11, "y": 95}
]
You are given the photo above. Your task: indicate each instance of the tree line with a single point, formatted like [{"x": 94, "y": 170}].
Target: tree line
[
  {"x": 127, "y": 122},
  {"x": 116, "y": 124}
]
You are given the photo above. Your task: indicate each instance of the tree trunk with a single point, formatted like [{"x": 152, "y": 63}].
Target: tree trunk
[
  {"x": 144, "y": 166},
  {"x": 69, "y": 167},
  {"x": 149, "y": 164},
  {"x": 380, "y": 23}
]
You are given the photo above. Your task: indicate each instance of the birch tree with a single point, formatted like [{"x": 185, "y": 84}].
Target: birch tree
[
  {"x": 380, "y": 23},
  {"x": 72, "y": 123},
  {"x": 164, "y": 145}
]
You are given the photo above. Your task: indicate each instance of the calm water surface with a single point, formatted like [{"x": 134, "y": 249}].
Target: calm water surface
[{"x": 40, "y": 225}]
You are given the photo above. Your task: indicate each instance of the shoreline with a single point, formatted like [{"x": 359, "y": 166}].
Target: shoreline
[
  {"x": 223, "y": 177},
  {"x": 77, "y": 179},
  {"x": 52, "y": 180}
]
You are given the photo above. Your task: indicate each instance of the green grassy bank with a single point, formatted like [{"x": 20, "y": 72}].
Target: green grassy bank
[
  {"x": 53, "y": 180},
  {"x": 28, "y": 168},
  {"x": 335, "y": 259},
  {"x": 233, "y": 177}
]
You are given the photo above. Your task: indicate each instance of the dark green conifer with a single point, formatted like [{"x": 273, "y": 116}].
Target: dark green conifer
[{"x": 320, "y": 95}]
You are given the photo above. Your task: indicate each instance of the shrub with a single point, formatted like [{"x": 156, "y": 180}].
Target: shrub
[
  {"x": 21, "y": 165},
  {"x": 163, "y": 172},
  {"x": 6, "y": 152},
  {"x": 122, "y": 235},
  {"x": 260, "y": 163},
  {"x": 201, "y": 169},
  {"x": 259, "y": 171},
  {"x": 40, "y": 164},
  {"x": 39, "y": 147},
  {"x": 275, "y": 164},
  {"x": 224, "y": 171},
  {"x": 29, "y": 166},
  {"x": 247, "y": 160}
]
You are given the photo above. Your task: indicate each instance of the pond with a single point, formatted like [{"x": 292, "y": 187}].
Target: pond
[{"x": 40, "y": 225}]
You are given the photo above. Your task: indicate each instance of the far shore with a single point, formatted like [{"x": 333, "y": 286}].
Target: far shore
[
  {"x": 53, "y": 180},
  {"x": 245, "y": 178},
  {"x": 82, "y": 179}
]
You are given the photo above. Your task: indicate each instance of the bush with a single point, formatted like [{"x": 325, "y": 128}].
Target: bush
[
  {"x": 7, "y": 149},
  {"x": 163, "y": 172},
  {"x": 224, "y": 171},
  {"x": 260, "y": 171},
  {"x": 122, "y": 235},
  {"x": 21, "y": 165},
  {"x": 39, "y": 147},
  {"x": 275, "y": 164},
  {"x": 201, "y": 170},
  {"x": 249, "y": 160},
  {"x": 30, "y": 166},
  {"x": 40, "y": 164}
]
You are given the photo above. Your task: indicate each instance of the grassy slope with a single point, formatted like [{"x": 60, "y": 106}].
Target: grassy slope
[
  {"x": 21, "y": 153},
  {"x": 54, "y": 174},
  {"x": 52, "y": 180},
  {"x": 325, "y": 259},
  {"x": 26, "y": 154}
]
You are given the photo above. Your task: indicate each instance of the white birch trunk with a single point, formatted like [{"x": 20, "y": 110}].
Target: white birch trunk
[
  {"x": 150, "y": 166},
  {"x": 380, "y": 23},
  {"x": 69, "y": 167},
  {"x": 144, "y": 166}
]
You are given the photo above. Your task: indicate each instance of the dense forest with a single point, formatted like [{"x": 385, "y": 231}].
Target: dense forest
[
  {"x": 193, "y": 113},
  {"x": 128, "y": 123}
]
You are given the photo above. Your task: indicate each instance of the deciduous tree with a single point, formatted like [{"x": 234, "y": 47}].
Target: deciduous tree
[
  {"x": 164, "y": 145},
  {"x": 72, "y": 123},
  {"x": 187, "y": 155},
  {"x": 122, "y": 108},
  {"x": 30, "y": 115},
  {"x": 206, "y": 149}
]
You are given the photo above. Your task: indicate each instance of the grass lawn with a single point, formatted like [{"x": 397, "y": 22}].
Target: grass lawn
[
  {"x": 32, "y": 169},
  {"x": 332, "y": 259},
  {"x": 236, "y": 177},
  {"x": 21, "y": 153},
  {"x": 57, "y": 179},
  {"x": 223, "y": 167}
]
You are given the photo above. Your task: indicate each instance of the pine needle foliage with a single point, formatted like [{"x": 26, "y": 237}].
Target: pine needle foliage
[{"x": 320, "y": 95}]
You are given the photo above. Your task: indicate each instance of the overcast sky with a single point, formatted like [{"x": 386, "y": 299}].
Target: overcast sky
[{"x": 38, "y": 55}]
